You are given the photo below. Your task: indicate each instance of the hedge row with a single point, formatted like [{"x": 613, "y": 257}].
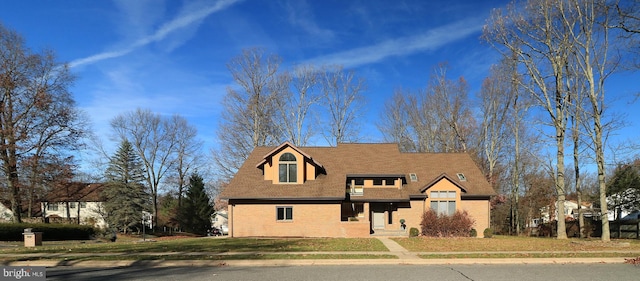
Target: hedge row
[{"x": 50, "y": 232}]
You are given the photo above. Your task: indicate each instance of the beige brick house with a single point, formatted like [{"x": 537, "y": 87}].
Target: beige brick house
[{"x": 352, "y": 190}]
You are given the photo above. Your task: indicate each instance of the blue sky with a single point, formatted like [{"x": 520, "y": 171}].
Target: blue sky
[{"x": 170, "y": 56}]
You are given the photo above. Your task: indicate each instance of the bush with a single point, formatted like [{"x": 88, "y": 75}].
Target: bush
[
  {"x": 50, "y": 232},
  {"x": 457, "y": 225},
  {"x": 473, "y": 233},
  {"x": 413, "y": 232},
  {"x": 488, "y": 233}
]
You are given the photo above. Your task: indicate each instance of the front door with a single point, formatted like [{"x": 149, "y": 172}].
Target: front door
[{"x": 378, "y": 220}]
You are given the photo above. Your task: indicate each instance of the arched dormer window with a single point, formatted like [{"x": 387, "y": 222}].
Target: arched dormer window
[{"x": 288, "y": 169}]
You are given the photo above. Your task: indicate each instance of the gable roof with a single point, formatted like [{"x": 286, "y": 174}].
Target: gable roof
[
  {"x": 358, "y": 159},
  {"x": 76, "y": 192},
  {"x": 438, "y": 179},
  {"x": 286, "y": 144}
]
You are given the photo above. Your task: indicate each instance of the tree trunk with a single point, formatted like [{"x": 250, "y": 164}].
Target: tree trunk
[
  {"x": 560, "y": 184},
  {"x": 606, "y": 235}
]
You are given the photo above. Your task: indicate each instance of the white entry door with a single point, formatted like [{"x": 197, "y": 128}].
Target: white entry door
[{"x": 378, "y": 220}]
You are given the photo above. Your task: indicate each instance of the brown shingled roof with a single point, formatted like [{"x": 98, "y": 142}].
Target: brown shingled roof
[{"x": 345, "y": 159}]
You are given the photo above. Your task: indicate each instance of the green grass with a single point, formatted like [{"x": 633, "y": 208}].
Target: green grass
[
  {"x": 511, "y": 243},
  {"x": 210, "y": 245},
  {"x": 530, "y": 255},
  {"x": 210, "y": 257},
  {"x": 180, "y": 248}
]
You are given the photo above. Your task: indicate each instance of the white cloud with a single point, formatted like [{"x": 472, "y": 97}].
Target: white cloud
[
  {"x": 429, "y": 40},
  {"x": 188, "y": 16},
  {"x": 300, "y": 15}
]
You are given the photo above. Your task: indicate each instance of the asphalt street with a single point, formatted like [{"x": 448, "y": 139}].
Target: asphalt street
[{"x": 476, "y": 272}]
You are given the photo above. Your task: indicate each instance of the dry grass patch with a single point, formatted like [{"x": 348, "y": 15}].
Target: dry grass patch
[{"x": 509, "y": 244}]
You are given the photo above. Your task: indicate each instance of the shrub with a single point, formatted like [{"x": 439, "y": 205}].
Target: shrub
[
  {"x": 473, "y": 233},
  {"x": 457, "y": 225},
  {"x": 413, "y": 232},
  {"x": 488, "y": 233},
  {"x": 50, "y": 232}
]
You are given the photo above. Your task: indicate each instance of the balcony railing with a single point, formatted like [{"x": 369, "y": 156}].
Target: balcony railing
[{"x": 356, "y": 190}]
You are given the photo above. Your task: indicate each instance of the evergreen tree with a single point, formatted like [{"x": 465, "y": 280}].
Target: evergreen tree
[
  {"x": 125, "y": 194},
  {"x": 623, "y": 188},
  {"x": 196, "y": 211}
]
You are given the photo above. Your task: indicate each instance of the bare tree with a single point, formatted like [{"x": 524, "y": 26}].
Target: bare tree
[
  {"x": 628, "y": 15},
  {"x": 423, "y": 121},
  {"x": 37, "y": 111},
  {"x": 435, "y": 119},
  {"x": 155, "y": 140},
  {"x": 249, "y": 111},
  {"x": 498, "y": 95},
  {"x": 395, "y": 122},
  {"x": 504, "y": 111},
  {"x": 298, "y": 93},
  {"x": 188, "y": 152},
  {"x": 452, "y": 109},
  {"x": 539, "y": 37},
  {"x": 342, "y": 92},
  {"x": 594, "y": 65}
]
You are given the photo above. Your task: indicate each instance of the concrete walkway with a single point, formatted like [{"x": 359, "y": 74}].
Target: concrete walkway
[{"x": 397, "y": 250}]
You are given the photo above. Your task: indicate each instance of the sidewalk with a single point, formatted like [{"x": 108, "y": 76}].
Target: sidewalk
[{"x": 403, "y": 257}]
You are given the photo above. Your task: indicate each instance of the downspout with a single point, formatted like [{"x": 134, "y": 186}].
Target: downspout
[{"x": 230, "y": 222}]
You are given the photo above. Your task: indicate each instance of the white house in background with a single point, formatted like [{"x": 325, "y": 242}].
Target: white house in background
[
  {"x": 570, "y": 212},
  {"x": 5, "y": 213},
  {"x": 83, "y": 200},
  {"x": 220, "y": 220}
]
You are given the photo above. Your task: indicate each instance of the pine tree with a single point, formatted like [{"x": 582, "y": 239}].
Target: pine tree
[
  {"x": 125, "y": 194},
  {"x": 195, "y": 213}
]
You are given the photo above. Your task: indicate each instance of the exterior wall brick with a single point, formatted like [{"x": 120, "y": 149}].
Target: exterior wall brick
[
  {"x": 309, "y": 220},
  {"x": 323, "y": 220},
  {"x": 479, "y": 210},
  {"x": 413, "y": 215}
]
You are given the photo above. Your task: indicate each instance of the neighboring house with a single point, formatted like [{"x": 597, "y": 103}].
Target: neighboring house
[
  {"x": 83, "y": 199},
  {"x": 352, "y": 190},
  {"x": 6, "y": 214},
  {"x": 570, "y": 212},
  {"x": 220, "y": 219}
]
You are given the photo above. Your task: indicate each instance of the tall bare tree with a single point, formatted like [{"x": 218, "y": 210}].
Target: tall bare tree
[
  {"x": 594, "y": 65},
  {"x": 504, "y": 111},
  {"x": 155, "y": 141},
  {"x": 537, "y": 33},
  {"x": 498, "y": 95},
  {"x": 247, "y": 121},
  {"x": 395, "y": 122},
  {"x": 299, "y": 92},
  {"x": 343, "y": 97},
  {"x": 188, "y": 153},
  {"x": 37, "y": 111},
  {"x": 435, "y": 119},
  {"x": 453, "y": 111}
]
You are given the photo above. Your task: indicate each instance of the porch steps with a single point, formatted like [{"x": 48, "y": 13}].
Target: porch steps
[{"x": 390, "y": 233}]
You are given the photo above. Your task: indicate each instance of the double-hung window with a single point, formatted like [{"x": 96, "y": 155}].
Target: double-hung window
[
  {"x": 443, "y": 202},
  {"x": 284, "y": 213},
  {"x": 52, "y": 206},
  {"x": 288, "y": 169}
]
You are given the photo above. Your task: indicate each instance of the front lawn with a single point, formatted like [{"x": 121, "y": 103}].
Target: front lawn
[
  {"x": 213, "y": 245},
  {"x": 513, "y": 244}
]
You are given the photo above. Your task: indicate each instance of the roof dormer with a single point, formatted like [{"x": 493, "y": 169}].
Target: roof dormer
[{"x": 287, "y": 164}]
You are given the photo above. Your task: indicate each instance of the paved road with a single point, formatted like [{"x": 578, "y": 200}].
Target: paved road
[{"x": 521, "y": 272}]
